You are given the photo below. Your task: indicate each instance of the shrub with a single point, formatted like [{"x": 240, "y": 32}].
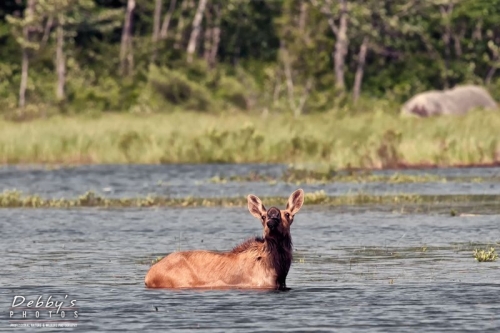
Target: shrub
[
  {"x": 230, "y": 90},
  {"x": 171, "y": 87}
]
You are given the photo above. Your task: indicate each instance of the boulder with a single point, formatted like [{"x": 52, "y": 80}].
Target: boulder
[{"x": 456, "y": 101}]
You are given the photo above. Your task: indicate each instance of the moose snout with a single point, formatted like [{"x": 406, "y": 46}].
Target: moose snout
[
  {"x": 273, "y": 223},
  {"x": 273, "y": 218}
]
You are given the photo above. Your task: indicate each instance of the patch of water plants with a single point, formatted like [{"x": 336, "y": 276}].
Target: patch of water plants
[
  {"x": 403, "y": 202},
  {"x": 488, "y": 255},
  {"x": 330, "y": 175}
]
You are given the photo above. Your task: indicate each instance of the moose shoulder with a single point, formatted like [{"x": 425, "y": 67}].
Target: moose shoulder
[{"x": 261, "y": 262}]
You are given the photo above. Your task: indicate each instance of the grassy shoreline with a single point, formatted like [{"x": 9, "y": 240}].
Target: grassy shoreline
[{"x": 369, "y": 141}]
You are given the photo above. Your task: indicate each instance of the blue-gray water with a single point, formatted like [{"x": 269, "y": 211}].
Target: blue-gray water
[
  {"x": 185, "y": 180},
  {"x": 354, "y": 269}
]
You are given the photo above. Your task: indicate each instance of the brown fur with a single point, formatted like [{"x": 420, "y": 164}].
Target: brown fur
[{"x": 256, "y": 263}]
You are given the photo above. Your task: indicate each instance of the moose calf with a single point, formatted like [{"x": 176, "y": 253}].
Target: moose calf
[{"x": 260, "y": 262}]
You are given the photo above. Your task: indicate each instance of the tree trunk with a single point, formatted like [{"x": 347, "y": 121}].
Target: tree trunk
[
  {"x": 198, "y": 17},
  {"x": 215, "y": 37},
  {"x": 302, "y": 102},
  {"x": 30, "y": 9},
  {"x": 303, "y": 15},
  {"x": 458, "y": 46},
  {"x": 277, "y": 87},
  {"x": 207, "y": 36},
  {"x": 490, "y": 74},
  {"x": 126, "y": 55},
  {"x": 24, "y": 78},
  {"x": 167, "y": 19},
  {"x": 179, "y": 35},
  {"x": 358, "y": 79},
  {"x": 156, "y": 30},
  {"x": 46, "y": 31},
  {"x": 477, "y": 34},
  {"x": 288, "y": 77},
  {"x": 60, "y": 60},
  {"x": 297, "y": 107},
  {"x": 445, "y": 14},
  {"x": 495, "y": 61},
  {"x": 341, "y": 45},
  {"x": 341, "y": 41}
]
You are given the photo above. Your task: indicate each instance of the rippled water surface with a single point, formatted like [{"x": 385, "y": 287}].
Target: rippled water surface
[
  {"x": 185, "y": 180},
  {"x": 355, "y": 269}
]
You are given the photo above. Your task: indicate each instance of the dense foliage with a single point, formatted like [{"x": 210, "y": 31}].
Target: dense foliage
[{"x": 266, "y": 55}]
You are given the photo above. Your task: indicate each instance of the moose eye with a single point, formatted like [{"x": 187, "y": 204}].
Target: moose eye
[
  {"x": 263, "y": 218},
  {"x": 287, "y": 215}
]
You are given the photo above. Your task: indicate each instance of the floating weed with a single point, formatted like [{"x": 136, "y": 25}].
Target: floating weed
[
  {"x": 485, "y": 255},
  {"x": 470, "y": 246},
  {"x": 14, "y": 198},
  {"x": 307, "y": 176},
  {"x": 218, "y": 180},
  {"x": 155, "y": 260},
  {"x": 372, "y": 254},
  {"x": 300, "y": 260}
]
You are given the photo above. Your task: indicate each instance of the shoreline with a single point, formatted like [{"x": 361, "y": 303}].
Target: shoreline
[
  {"x": 398, "y": 167},
  {"x": 367, "y": 142}
]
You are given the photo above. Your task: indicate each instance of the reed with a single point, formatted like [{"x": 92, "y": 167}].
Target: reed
[
  {"x": 375, "y": 140},
  {"x": 16, "y": 199},
  {"x": 322, "y": 176}
]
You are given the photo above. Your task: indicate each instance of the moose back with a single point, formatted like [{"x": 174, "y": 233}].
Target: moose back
[{"x": 260, "y": 262}]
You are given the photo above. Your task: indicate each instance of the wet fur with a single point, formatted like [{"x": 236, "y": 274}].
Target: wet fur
[
  {"x": 252, "y": 264},
  {"x": 256, "y": 263}
]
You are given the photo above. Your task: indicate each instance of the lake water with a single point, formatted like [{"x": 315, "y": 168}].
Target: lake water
[{"x": 355, "y": 268}]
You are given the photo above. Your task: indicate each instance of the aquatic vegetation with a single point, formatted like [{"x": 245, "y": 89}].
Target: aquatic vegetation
[
  {"x": 485, "y": 255},
  {"x": 155, "y": 260},
  {"x": 311, "y": 176},
  {"x": 14, "y": 198}
]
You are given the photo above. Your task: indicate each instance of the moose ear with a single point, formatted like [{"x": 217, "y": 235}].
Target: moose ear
[
  {"x": 255, "y": 206},
  {"x": 295, "y": 201}
]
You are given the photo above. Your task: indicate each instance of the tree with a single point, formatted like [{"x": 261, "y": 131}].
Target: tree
[
  {"x": 166, "y": 20},
  {"x": 181, "y": 23},
  {"x": 300, "y": 56},
  {"x": 156, "y": 29},
  {"x": 68, "y": 15},
  {"x": 126, "y": 51},
  {"x": 339, "y": 29},
  {"x": 303, "y": 52},
  {"x": 198, "y": 17},
  {"x": 27, "y": 24}
]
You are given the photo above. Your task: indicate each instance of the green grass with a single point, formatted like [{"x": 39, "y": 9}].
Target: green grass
[{"x": 375, "y": 140}]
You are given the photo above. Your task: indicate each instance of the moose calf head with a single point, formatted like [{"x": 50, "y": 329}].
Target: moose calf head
[{"x": 276, "y": 222}]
